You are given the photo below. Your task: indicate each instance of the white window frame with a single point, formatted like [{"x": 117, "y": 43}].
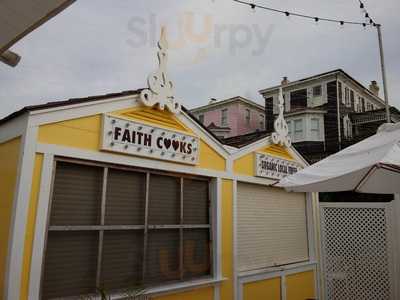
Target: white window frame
[
  {"x": 44, "y": 201},
  {"x": 224, "y": 117},
  {"x": 262, "y": 122},
  {"x": 295, "y": 137},
  {"x": 247, "y": 116},
  {"x": 318, "y": 130}
]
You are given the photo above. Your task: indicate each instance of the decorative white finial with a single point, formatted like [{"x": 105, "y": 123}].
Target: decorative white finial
[
  {"x": 161, "y": 89},
  {"x": 281, "y": 134}
]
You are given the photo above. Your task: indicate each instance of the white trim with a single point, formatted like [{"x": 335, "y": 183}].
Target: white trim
[
  {"x": 73, "y": 111},
  {"x": 20, "y": 214},
  {"x": 217, "y": 229},
  {"x": 13, "y": 128},
  {"x": 107, "y": 157},
  {"x": 40, "y": 227},
  {"x": 234, "y": 246}
]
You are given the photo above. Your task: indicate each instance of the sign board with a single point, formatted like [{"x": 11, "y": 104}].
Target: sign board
[
  {"x": 274, "y": 167},
  {"x": 135, "y": 138}
]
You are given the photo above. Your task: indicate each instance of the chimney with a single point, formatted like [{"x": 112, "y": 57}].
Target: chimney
[
  {"x": 285, "y": 80},
  {"x": 212, "y": 101},
  {"x": 374, "y": 88}
]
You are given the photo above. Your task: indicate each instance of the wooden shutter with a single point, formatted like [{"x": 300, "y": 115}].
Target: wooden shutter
[
  {"x": 195, "y": 202},
  {"x": 126, "y": 193},
  {"x": 70, "y": 264},
  {"x": 76, "y": 195},
  {"x": 122, "y": 259},
  {"x": 164, "y": 200},
  {"x": 272, "y": 227}
]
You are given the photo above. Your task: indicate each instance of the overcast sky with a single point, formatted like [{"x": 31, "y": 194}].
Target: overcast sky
[{"x": 218, "y": 49}]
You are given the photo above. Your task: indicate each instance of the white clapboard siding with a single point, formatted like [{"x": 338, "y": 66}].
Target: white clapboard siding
[{"x": 272, "y": 227}]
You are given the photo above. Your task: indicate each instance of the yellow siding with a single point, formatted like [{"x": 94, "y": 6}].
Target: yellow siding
[
  {"x": 85, "y": 133},
  {"x": 30, "y": 226},
  {"x": 263, "y": 290},
  {"x": 300, "y": 286},
  {"x": 210, "y": 159},
  {"x": 227, "y": 239},
  {"x": 278, "y": 151},
  {"x": 198, "y": 294},
  {"x": 244, "y": 165},
  {"x": 9, "y": 156}
]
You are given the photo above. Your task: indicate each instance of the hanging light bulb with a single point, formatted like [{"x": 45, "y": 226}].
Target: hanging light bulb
[
  {"x": 316, "y": 20},
  {"x": 364, "y": 25},
  {"x": 253, "y": 7},
  {"x": 287, "y": 14},
  {"x": 341, "y": 24}
]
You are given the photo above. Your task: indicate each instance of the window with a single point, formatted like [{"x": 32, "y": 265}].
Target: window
[
  {"x": 224, "y": 117},
  {"x": 248, "y": 116},
  {"x": 352, "y": 99},
  {"x": 347, "y": 127},
  {"x": 298, "y": 99},
  {"x": 340, "y": 88},
  {"x": 119, "y": 228},
  {"x": 262, "y": 118},
  {"x": 317, "y": 91},
  {"x": 298, "y": 129},
  {"x": 315, "y": 130},
  {"x": 289, "y": 124},
  {"x": 347, "y": 96},
  {"x": 201, "y": 119}
]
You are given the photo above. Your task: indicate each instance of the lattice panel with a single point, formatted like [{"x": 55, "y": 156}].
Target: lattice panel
[{"x": 356, "y": 251}]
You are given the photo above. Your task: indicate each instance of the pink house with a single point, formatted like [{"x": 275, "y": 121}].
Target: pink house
[{"x": 231, "y": 117}]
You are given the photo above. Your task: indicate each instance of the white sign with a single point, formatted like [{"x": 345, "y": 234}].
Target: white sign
[
  {"x": 275, "y": 167},
  {"x": 134, "y": 138}
]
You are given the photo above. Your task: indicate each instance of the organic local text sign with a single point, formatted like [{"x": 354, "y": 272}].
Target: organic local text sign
[
  {"x": 134, "y": 138},
  {"x": 274, "y": 167}
]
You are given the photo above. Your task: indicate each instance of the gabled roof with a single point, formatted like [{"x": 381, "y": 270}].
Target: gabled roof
[
  {"x": 213, "y": 126},
  {"x": 240, "y": 141},
  {"x": 325, "y": 74},
  {"x": 227, "y": 101}
]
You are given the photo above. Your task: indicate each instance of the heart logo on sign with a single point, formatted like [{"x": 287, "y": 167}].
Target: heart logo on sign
[
  {"x": 175, "y": 145},
  {"x": 167, "y": 143}
]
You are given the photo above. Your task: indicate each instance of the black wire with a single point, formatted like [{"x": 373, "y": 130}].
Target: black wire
[{"x": 316, "y": 19}]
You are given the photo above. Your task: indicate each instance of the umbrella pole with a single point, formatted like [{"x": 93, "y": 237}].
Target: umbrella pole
[{"x": 385, "y": 91}]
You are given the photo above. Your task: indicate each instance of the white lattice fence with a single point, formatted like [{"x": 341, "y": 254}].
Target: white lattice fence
[{"x": 356, "y": 251}]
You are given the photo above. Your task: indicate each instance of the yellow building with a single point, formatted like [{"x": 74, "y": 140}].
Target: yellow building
[{"x": 128, "y": 190}]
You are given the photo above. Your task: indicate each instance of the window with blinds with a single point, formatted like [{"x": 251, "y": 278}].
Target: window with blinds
[
  {"x": 271, "y": 227},
  {"x": 117, "y": 229}
]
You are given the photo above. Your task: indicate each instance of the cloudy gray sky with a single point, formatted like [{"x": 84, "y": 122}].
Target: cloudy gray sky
[{"x": 219, "y": 49}]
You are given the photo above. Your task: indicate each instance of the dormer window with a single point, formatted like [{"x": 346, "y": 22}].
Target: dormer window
[{"x": 224, "y": 117}]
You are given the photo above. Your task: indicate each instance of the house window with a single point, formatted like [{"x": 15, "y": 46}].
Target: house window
[
  {"x": 317, "y": 91},
  {"x": 348, "y": 129},
  {"x": 315, "y": 130},
  {"x": 118, "y": 228},
  {"x": 248, "y": 116},
  {"x": 347, "y": 96},
  {"x": 262, "y": 118},
  {"x": 224, "y": 117},
  {"x": 352, "y": 104},
  {"x": 340, "y": 91},
  {"x": 298, "y": 129},
  {"x": 298, "y": 99},
  {"x": 201, "y": 119}
]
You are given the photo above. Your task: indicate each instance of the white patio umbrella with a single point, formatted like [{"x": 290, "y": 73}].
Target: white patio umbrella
[{"x": 370, "y": 166}]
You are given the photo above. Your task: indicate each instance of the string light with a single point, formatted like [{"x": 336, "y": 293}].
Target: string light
[
  {"x": 365, "y": 13},
  {"x": 370, "y": 22}
]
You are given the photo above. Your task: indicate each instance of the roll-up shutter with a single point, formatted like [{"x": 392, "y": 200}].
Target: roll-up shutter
[
  {"x": 272, "y": 227},
  {"x": 77, "y": 195}
]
